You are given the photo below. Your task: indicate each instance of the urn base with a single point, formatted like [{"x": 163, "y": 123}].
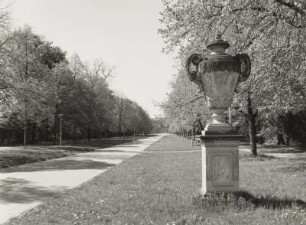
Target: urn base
[{"x": 219, "y": 129}]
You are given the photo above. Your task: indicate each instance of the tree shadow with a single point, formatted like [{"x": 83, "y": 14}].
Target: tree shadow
[
  {"x": 293, "y": 168},
  {"x": 281, "y": 149},
  {"x": 124, "y": 146},
  {"x": 296, "y": 165},
  {"x": 112, "y": 151},
  {"x": 89, "y": 149},
  {"x": 13, "y": 190},
  {"x": 67, "y": 164},
  {"x": 73, "y": 148},
  {"x": 102, "y": 143},
  {"x": 270, "y": 202},
  {"x": 244, "y": 200},
  {"x": 260, "y": 157}
]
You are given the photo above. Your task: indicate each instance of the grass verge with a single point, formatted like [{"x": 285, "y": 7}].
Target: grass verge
[
  {"x": 159, "y": 187},
  {"x": 15, "y": 156}
]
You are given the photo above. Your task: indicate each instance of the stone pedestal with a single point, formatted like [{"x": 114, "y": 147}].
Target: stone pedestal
[{"x": 220, "y": 163}]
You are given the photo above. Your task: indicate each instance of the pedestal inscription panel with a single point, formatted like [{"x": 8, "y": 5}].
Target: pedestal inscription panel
[
  {"x": 222, "y": 170},
  {"x": 220, "y": 166}
]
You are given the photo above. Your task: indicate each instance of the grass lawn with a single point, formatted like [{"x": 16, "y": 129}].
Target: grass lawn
[
  {"x": 158, "y": 187},
  {"x": 14, "y": 156}
]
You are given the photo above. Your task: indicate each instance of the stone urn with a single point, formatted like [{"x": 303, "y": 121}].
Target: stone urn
[{"x": 218, "y": 74}]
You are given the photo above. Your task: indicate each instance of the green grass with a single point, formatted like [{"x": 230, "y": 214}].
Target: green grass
[
  {"x": 160, "y": 185},
  {"x": 15, "y": 156},
  {"x": 9, "y": 158}
]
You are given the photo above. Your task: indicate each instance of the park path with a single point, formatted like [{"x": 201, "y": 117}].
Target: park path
[{"x": 26, "y": 186}]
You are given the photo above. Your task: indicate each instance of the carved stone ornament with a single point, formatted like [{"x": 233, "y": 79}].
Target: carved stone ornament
[{"x": 218, "y": 75}]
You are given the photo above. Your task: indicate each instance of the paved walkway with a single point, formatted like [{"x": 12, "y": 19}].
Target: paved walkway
[{"x": 26, "y": 186}]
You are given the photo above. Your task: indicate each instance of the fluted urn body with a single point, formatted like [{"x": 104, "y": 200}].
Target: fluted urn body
[{"x": 218, "y": 75}]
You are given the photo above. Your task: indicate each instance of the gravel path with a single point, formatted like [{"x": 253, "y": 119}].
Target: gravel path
[
  {"x": 87, "y": 205},
  {"x": 24, "y": 187}
]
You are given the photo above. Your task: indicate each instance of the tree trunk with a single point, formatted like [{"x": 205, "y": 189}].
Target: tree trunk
[
  {"x": 280, "y": 139},
  {"x": 88, "y": 132},
  {"x": 20, "y": 134},
  {"x": 287, "y": 141},
  {"x": 55, "y": 124},
  {"x": 34, "y": 132},
  {"x": 74, "y": 134},
  {"x": 120, "y": 117},
  {"x": 252, "y": 126},
  {"x": 24, "y": 135}
]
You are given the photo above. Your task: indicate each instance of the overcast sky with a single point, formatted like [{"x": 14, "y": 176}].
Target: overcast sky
[{"x": 123, "y": 33}]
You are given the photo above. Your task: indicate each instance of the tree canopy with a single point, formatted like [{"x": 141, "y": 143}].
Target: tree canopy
[
  {"x": 271, "y": 32},
  {"x": 40, "y": 88}
]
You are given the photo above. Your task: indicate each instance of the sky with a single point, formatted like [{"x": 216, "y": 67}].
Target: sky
[{"x": 122, "y": 33}]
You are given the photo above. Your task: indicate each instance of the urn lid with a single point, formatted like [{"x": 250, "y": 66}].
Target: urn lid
[{"x": 218, "y": 46}]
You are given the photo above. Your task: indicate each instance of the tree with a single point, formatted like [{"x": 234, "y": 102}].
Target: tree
[
  {"x": 96, "y": 77},
  {"x": 28, "y": 65},
  {"x": 272, "y": 32},
  {"x": 131, "y": 118},
  {"x": 159, "y": 125},
  {"x": 184, "y": 103},
  {"x": 39, "y": 84}
]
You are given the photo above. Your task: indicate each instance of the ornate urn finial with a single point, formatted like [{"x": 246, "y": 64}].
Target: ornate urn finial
[
  {"x": 218, "y": 75},
  {"x": 218, "y": 46}
]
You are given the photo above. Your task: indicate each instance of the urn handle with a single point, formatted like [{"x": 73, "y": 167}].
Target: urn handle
[
  {"x": 195, "y": 60},
  {"x": 245, "y": 66}
]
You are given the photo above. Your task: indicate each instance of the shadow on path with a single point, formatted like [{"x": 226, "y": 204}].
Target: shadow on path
[
  {"x": 15, "y": 190},
  {"x": 67, "y": 164}
]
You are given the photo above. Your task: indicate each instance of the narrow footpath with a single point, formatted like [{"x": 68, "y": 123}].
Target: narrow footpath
[{"x": 26, "y": 186}]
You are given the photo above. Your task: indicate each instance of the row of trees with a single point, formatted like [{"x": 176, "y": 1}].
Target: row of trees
[
  {"x": 272, "y": 101},
  {"x": 40, "y": 88}
]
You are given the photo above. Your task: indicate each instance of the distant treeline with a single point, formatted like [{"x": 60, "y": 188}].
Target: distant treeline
[{"x": 42, "y": 91}]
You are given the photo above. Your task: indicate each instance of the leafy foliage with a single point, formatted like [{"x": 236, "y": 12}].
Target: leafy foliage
[
  {"x": 272, "y": 32},
  {"x": 42, "y": 91},
  {"x": 185, "y": 103}
]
